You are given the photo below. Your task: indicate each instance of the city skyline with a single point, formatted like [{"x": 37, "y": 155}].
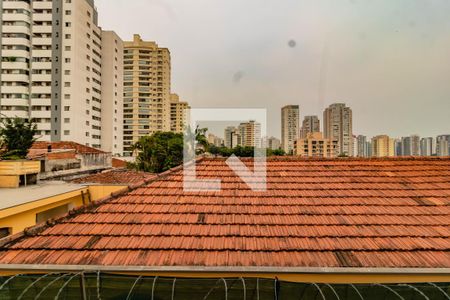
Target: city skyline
[{"x": 392, "y": 77}]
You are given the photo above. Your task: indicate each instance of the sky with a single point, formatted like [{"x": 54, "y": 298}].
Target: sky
[{"x": 388, "y": 60}]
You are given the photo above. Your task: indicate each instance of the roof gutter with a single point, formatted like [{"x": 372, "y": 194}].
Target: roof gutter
[{"x": 221, "y": 269}]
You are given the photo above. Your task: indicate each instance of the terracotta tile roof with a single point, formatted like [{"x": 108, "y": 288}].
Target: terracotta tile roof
[
  {"x": 66, "y": 145},
  {"x": 118, "y": 163},
  {"x": 117, "y": 176},
  {"x": 315, "y": 213}
]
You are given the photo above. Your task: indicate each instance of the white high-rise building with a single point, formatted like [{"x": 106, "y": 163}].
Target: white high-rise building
[
  {"x": 338, "y": 125},
  {"x": 112, "y": 93},
  {"x": 443, "y": 145},
  {"x": 290, "y": 127},
  {"x": 427, "y": 146},
  {"x": 51, "y": 68}
]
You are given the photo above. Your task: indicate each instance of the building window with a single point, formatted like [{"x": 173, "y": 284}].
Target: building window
[
  {"x": 52, "y": 213},
  {"x": 66, "y": 132},
  {"x": 5, "y": 231}
]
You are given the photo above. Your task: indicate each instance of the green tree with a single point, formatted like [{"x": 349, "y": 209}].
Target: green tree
[
  {"x": 17, "y": 136},
  {"x": 159, "y": 152},
  {"x": 202, "y": 141}
]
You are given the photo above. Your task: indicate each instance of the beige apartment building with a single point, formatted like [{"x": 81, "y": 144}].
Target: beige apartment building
[
  {"x": 215, "y": 140},
  {"x": 112, "y": 93},
  {"x": 383, "y": 146},
  {"x": 338, "y": 125},
  {"x": 146, "y": 90},
  {"x": 290, "y": 127},
  {"x": 51, "y": 68},
  {"x": 250, "y": 133},
  {"x": 315, "y": 145},
  {"x": 179, "y": 111}
]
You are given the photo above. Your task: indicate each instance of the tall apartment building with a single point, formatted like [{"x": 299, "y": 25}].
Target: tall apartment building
[
  {"x": 178, "y": 114},
  {"x": 290, "y": 127},
  {"x": 443, "y": 145},
  {"x": 250, "y": 133},
  {"x": 146, "y": 90},
  {"x": 232, "y": 137},
  {"x": 315, "y": 145},
  {"x": 310, "y": 124},
  {"x": 51, "y": 68},
  {"x": 362, "y": 146},
  {"x": 427, "y": 147},
  {"x": 383, "y": 146},
  {"x": 338, "y": 125},
  {"x": 410, "y": 145},
  {"x": 112, "y": 93},
  {"x": 215, "y": 140},
  {"x": 271, "y": 143}
]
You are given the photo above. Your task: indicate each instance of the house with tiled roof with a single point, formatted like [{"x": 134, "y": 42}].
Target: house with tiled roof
[
  {"x": 327, "y": 228},
  {"x": 68, "y": 160}
]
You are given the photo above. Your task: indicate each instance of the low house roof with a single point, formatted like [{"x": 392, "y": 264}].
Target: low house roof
[
  {"x": 321, "y": 213},
  {"x": 117, "y": 177},
  {"x": 79, "y": 148}
]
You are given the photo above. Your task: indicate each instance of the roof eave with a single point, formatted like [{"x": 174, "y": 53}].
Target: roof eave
[{"x": 221, "y": 269}]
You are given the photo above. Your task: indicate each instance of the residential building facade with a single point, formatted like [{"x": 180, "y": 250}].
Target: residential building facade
[
  {"x": 179, "y": 112},
  {"x": 290, "y": 127},
  {"x": 232, "y": 137},
  {"x": 146, "y": 90},
  {"x": 310, "y": 124},
  {"x": 271, "y": 143},
  {"x": 427, "y": 146},
  {"x": 383, "y": 146},
  {"x": 362, "y": 146},
  {"x": 250, "y": 133},
  {"x": 410, "y": 145},
  {"x": 51, "y": 69},
  {"x": 338, "y": 125},
  {"x": 443, "y": 145},
  {"x": 215, "y": 140},
  {"x": 112, "y": 93},
  {"x": 315, "y": 145}
]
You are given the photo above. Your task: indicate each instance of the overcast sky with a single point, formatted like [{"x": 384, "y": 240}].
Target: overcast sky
[{"x": 388, "y": 60}]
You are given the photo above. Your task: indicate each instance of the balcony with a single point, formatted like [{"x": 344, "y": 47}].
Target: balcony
[
  {"x": 16, "y": 5},
  {"x": 41, "y": 77},
  {"x": 17, "y": 29},
  {"x": 16, "y": 77}
]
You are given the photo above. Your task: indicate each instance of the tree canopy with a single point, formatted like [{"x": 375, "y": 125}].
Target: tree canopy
[
  {"x": 17, "y": 136},
  {"x": 159, "y": 152}
]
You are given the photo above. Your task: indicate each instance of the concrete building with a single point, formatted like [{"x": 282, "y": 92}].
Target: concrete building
[
  {"x": 383, "y": 146},
  {"x": 427, "y": 146},
  {"x": 310, "y": 124},
  {"x": 338, "y": 125},
  {"x": 112, "y": 93},
  {"x": 250, "y": 133},
  {"x": 362, "y": 146},
  {"x": 290, "y": 127},
  {"x": 271, "y": 143},
  {"x": 178, "y": 114},
  {"x": 410, "y": 145},
  {"x": 215, "y": 140},
  {"x": 232, "y": 137},
  {"x": 443, "y": 145},
  {"x": 51, "y": 68},
  {"x": 146, "y": 90},
  {"x": 315, "y": 145}
]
